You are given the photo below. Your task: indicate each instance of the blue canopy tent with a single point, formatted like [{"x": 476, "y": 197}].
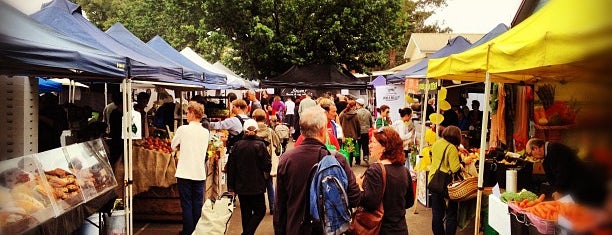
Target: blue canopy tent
[
  {"x": 454, "y": 46},
  {"x": 32, "y": 49},
  {"x": 46, "y": 85},
  {"x": 129, "y": 40},
  {"x": 378, "y": 81},
  {"x": 67, "y": 18},
  {"x": 163, "y": 47},
  {"x": 419, "y": 70},
  {"x": 498, "y": 30}
]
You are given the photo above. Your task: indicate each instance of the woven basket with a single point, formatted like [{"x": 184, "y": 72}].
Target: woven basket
[{"x": 463, "y": 190}]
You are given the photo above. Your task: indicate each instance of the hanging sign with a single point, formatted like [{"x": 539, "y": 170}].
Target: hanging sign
[{"x": 433, "y": 86}]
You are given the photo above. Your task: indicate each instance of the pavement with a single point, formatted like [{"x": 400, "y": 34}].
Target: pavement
[{"x": 419, "y": 222}]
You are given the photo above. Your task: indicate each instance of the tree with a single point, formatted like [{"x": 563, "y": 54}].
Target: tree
[{"x": 263, "y": 38}]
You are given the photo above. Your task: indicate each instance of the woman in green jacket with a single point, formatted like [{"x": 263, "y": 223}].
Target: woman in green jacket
[
  {"x": 441, "y": 207},
  {"x": 383, "y": 119}
]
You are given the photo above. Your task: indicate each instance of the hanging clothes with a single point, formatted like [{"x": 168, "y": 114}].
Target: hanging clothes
[
  {"x": 521, "y": 119},
  {"x": 498, "y": 124}
]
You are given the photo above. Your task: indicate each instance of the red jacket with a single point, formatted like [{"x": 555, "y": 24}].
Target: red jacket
[{"x": 332, "y": 137}]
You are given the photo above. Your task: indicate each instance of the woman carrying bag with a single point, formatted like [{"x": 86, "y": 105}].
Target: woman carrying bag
[
  {"x": 444, "y": 161},
  {"x": 386, "y": 185}
]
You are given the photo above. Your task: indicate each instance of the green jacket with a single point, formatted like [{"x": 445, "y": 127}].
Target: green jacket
[{"x": 451, "y": 160}]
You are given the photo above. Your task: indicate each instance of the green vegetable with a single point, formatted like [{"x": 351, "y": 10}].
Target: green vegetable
[{"x": 517, "y": 197}]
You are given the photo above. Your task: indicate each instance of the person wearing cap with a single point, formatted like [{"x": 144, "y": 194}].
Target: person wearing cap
[
  {"x": 365, "y": 123},
  {"x": 192, "y": 139},
  {"x": 247, "y": 163}
]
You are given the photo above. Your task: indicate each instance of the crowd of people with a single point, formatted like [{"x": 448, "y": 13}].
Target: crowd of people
[{"x": 254, "y": 143}]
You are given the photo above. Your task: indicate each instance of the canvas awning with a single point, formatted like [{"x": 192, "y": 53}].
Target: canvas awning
[
  {"x": 564, "y": 40},
  {"x": 29, "y": 48},
  {"x": 315, "y": 76}
]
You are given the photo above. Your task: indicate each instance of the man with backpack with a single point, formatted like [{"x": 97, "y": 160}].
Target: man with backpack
[
  {"x": 296, "y": 175},
  {"x": 233, "y": 124}
]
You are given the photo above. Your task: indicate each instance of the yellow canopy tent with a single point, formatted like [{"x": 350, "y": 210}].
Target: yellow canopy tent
[{"x": 565, "y": 40}]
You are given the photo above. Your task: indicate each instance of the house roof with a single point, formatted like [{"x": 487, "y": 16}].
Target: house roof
[
  {"x": 432, "y": 42},
  {"x": 526, "y": 9}
]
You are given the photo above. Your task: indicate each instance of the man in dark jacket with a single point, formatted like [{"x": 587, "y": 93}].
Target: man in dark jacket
[
  {"x": 247, "y": 163},
  {"x": 290, "y": 213}
]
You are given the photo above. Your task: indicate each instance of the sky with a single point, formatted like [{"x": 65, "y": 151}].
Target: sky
[
  {"x": 475, "y": 16},
  {"x": 462, "y": 16}
]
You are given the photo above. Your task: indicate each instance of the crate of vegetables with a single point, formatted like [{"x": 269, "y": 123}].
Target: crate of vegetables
[{"x": 543, "y": 216}]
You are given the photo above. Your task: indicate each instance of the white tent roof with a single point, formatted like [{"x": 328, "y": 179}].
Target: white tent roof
[{"x": 232, "y": 79}]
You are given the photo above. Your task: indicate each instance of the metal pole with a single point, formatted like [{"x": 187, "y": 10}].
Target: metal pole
[
  {"x": 130, "y": 157},
  {"x": 105, "y": 94},
  {"x": 483, "y": 142},
  {"x": 422, "y": 141},
  {"x": 438, "y": 107}
]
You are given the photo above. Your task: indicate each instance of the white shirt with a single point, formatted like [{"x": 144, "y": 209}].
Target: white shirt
[
  {"x": 290, "y": 107},
  {"x": 405, "y": 131},
  {"x": 193, "y": 140}
]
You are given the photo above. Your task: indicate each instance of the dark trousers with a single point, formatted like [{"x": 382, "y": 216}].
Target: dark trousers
[
  {"x": 441, "y": 214},
  {"x": 364, "y": 141},
  {"x": 270, "y": 190},
  {"x": 191, "y": 193},
  {"x": 289, "y": 120},
  {"x": 253, "y": 210}
]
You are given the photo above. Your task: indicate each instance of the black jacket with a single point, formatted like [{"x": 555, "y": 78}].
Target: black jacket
[
  {"x": 246, "y": 164},
  {"x": 397, "y": 198},
  {"x": 560, "y": 165},
  {"x": 291, "y": 187}
]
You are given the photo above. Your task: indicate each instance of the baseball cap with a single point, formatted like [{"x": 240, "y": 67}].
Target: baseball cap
[
  {"x": 250, "y": 125},
  {"x": 360, "y": 101}
]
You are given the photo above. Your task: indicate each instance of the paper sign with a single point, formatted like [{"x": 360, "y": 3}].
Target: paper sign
[
  {"x": 270, "y": 91},
  {"x": 344, "y": 91},
  {"x": 496, "y": 191}
]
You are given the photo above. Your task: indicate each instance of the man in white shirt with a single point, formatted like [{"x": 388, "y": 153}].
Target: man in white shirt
[
  {"x": 290, "y": 112},
  {"x": 306, "y": 103},
  {"x": 192, "y": 139}
]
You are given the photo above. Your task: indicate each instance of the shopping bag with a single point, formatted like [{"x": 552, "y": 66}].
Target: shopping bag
[{"x": 215, "y": 216}]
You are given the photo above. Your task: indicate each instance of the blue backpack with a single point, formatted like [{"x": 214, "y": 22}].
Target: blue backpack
[{"x": 328, "y": 199}]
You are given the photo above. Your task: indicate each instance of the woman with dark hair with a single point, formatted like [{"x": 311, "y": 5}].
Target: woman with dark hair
[
  {"x": 350, "y": 129},
  {"x": 406, "y": 130},
  {"x": 444, "y": 153},
  {"x": 383, "y": 119},
  {"x": 386, "y": 150}
]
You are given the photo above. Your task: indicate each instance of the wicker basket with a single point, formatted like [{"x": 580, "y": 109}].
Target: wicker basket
[{"x": 463, "y": 190}]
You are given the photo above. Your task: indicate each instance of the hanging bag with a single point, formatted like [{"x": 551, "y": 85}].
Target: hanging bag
[
  {"x": 366, "y": 222},
  {"x": 440, "y": 180}
]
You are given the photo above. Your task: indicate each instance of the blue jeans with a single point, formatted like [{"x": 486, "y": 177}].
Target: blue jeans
[
  {"x": 439, "y": 211},
  {"x": 191, "y": 193},
  {"x": 270, "y": 190}
]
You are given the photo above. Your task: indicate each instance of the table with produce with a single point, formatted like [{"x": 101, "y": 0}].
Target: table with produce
[{"x": 535, "y": 214}]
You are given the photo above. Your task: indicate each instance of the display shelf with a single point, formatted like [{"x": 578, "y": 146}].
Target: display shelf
[
  {"x": 67, "y": 194},
  {"x": 25, "y": 196},
  {"x": 93, "y": 175}
]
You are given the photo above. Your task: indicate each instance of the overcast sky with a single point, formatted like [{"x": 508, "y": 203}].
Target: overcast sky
[
  {"x": 462, "y": 16},
  {"x": 475, "y": 16}
]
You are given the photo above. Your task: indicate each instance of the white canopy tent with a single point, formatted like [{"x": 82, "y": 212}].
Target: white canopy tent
[{"x": 232, "y": 79}]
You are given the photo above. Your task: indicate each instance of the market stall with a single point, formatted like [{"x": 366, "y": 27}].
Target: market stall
[
  {"x": 39, "y": 190},
  {"x": 581, "y": 42}
]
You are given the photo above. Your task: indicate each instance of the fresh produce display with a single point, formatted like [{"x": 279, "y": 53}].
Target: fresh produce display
[
  {"x": 469, "y": 156},
  {"x": 157, "y": 144},
  {"x": 519, "y": 197}
]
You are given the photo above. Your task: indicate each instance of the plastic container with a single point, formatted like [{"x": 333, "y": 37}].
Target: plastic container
[
  {"x": 88, "y": 228},
  {"x": 116, "y": 223},
  {"x": 542, "y": 226}
]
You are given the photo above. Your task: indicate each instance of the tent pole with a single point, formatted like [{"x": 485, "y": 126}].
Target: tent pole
[
  {"x": 483, "y": 142},
  {"x": 105, "y": 94},
  {"x": 438, "y": 107},
  {"x": 422, "y": 139},
  {"x": 126, "y": 168},
  {"x": 130, "y": 155}
]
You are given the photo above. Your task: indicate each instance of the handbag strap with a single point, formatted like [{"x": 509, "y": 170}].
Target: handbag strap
[
  {"x": 384, "y": 176},
  {"x": 443, "y": 157}
]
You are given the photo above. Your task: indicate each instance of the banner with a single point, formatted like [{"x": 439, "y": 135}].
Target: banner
[
  {"x": 296, "y": 91},
  {"x": 392, "y": 96},
  {"x": 433, "y": 86}
]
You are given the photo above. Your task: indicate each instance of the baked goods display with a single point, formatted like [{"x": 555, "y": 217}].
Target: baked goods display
[
  {"x": 36, "y": 188},
  {"x": 24, "y": 198},
  {"x": 93, "y": 176}
]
